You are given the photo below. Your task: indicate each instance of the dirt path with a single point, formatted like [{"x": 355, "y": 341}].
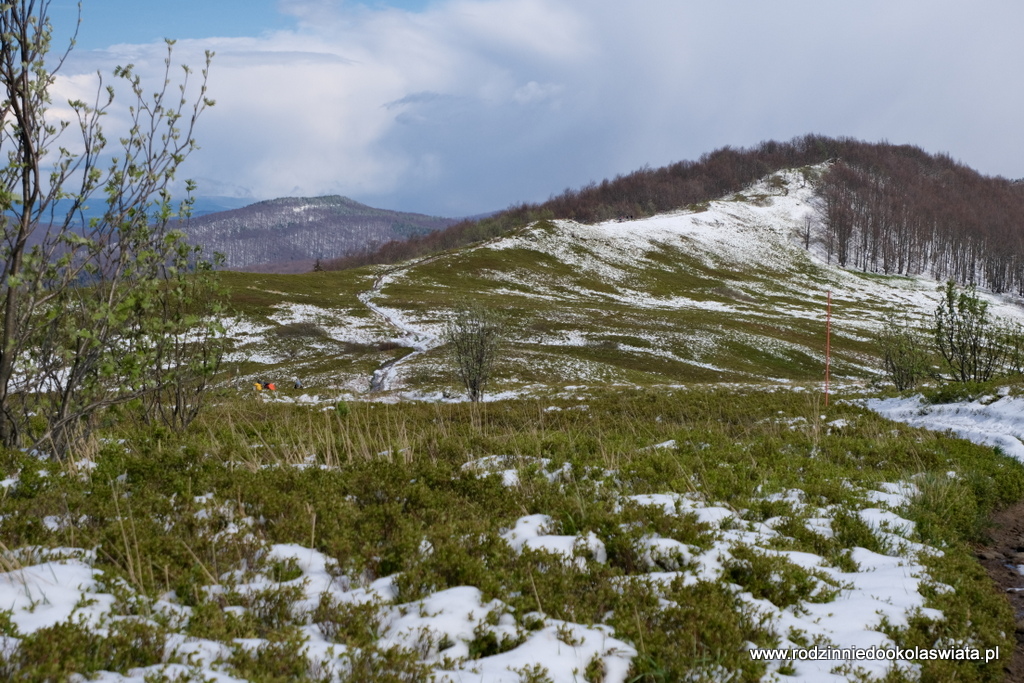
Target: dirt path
[
  {"x": 419, "y": 341},
  {"x": 1000, "y": 559}
]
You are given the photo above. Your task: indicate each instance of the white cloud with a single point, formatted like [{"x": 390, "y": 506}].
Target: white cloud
[
  {"x": 471, "y": 105},
  {"x": 535, "y": 92}
]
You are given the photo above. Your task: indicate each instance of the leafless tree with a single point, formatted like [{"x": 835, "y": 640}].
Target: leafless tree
[{"x": 475, "y": 335}]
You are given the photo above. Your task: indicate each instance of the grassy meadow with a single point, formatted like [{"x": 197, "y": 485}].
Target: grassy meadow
[{"x": 179, "y": 532}]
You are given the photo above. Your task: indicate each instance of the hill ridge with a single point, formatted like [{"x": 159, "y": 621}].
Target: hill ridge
[
  {"x": 731, "y": 291},
  {"x": 885, "y": 206}
]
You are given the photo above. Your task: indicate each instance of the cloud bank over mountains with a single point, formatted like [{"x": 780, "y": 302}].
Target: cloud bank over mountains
[{"x": 467, "y": 106}]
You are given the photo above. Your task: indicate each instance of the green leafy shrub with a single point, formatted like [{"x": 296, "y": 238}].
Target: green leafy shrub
[
  {"x": 905, "y": 356},
  {"x": 770, "y": 576},
  {"x": 55, "y": 652}
]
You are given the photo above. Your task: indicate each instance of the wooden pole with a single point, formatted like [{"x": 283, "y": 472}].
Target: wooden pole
[{"x": 828, "y": 343}]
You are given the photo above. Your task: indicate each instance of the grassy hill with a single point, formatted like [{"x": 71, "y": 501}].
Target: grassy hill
[{"x": 730, "y": 291}]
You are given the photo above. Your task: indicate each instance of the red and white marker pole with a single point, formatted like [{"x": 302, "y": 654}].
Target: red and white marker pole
[{"x": 828, "y": 342}]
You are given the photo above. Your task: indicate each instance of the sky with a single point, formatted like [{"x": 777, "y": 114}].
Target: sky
[{"x": 459, "y": 107}]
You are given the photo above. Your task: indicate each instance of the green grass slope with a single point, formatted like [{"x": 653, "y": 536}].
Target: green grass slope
[{"x": 724, "y": 292}]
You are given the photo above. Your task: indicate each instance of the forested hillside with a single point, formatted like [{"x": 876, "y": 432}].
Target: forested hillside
[
  {"x": 883, "y": 208},
  {"x": 898, "y": 210},
  {"x": 279, "y": 232}
]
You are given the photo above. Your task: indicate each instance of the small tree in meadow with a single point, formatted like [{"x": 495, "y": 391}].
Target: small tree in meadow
[
  {"x": 475, "y": 335},
  {"x": 969, "y": 338},
  {"x": 905, "y": 355}
]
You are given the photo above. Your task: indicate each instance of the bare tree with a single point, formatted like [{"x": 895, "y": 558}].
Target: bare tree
[
  {"x": 475, "y": 335},
  {"x": 78, "y": 296}
]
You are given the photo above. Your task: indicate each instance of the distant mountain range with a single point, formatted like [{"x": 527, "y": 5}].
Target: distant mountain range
[
  {"x": 288, "y": 235},
  {"x": 202, "y": 207}
]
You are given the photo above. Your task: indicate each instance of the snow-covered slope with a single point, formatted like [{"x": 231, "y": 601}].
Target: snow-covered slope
[{"x": 727, "y": 291}]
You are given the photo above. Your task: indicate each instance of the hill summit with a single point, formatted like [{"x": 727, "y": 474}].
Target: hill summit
[
  {"x": 289, "y": 234},
  {"x": 891, "y": 209}
]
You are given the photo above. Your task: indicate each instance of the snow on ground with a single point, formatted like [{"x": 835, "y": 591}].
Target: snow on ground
[
  {"x": 41, "y": 595},
  {"x": 256, "y": 343},
  {"x": 418, "y": 338},
  {"x": 844, "y": 609},
  {"x": 885, "y": 588},
  {"x": 337, "y": 325},
  {"x": 990, "y": 420},
  {"x": 738, "y": 235}
]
